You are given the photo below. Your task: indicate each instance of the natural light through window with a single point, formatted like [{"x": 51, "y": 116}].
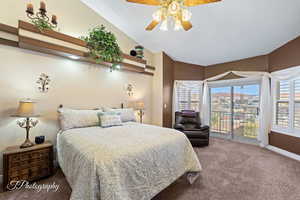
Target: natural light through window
[
  {"x": 288, "y": 104},
  {"x": 189, "y": 96}
]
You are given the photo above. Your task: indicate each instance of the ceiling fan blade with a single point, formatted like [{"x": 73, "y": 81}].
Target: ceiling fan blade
[
  {"x": 147, "y": 2},
  {"x": 152, "y": 25},
  {"x": 186, "y": 25},
  {"x": 198, "y": 2}
]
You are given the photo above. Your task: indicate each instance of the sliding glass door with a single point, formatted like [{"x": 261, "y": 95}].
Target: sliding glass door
[
  {"x": 221, "y": 110},
  {"x": 235, "y": 111}
]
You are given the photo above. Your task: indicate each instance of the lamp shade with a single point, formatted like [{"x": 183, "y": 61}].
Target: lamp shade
[
  {"x": 26, "y": 109},
  {"x": 140, "y": 105}
]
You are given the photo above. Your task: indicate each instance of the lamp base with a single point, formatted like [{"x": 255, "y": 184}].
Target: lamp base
[{"x": 27, "y": 144}]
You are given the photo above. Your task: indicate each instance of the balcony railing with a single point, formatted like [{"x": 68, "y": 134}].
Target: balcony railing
[{"x": 244, "y": 124}]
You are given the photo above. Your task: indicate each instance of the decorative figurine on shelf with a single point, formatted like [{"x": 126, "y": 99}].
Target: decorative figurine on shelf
[
  {"x": 140, "y": 107},
  {"x": 43, "y": 83},
  {"x": 129, "y": 89},
  {"x": 139, "y": 51},
  {"x": 40, "y": 19},
  {"x": 26, "y": 110}
]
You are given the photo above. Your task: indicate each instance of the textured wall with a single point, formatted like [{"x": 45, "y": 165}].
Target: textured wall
[
  {"x": 185, "y": 71},
  {"x": 286, "y": 142},
  {"x": 259, "y": 63},
  {"x": 286, "y": 56}
]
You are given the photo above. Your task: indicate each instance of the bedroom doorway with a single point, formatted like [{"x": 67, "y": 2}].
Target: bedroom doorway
[{"x": 235, "y": 112}]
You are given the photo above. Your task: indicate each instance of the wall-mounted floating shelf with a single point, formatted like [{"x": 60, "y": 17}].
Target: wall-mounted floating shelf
[{"x": 27, "y": 36}]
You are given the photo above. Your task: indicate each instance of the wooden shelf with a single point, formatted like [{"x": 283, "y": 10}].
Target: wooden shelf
[
  {"x": 53, "y": 34},
  {"x": 45, "y": 47},
  {"x": 8, "y": 29},
  {"x": 55, "y": 43},
  {"x": 129, "y": 57},
  {"x": 150, "y": 67},
  {"x": 9, "y": 42}
]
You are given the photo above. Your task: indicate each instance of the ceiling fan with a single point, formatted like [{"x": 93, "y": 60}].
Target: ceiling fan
[{"x": 174, "y": 10}]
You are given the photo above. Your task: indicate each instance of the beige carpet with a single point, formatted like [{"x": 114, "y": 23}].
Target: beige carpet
[{"x": 232, "y": 171}]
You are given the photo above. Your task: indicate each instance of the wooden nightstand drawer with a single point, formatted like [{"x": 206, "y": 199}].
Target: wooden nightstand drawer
[
  {"x": 29, "y": 164},
  {"x": 19, "y": 159}
]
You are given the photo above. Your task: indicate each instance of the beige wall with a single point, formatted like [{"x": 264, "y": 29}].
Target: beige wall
[
  {"x": 157, "y": 98},
  {"x": 74, "y": 84}
]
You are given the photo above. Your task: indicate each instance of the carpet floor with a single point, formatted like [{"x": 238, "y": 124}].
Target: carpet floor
[{"x": 231, "y": 171}]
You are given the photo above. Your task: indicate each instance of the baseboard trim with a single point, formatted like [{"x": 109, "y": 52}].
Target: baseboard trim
[{"x": 284, "y": 152}]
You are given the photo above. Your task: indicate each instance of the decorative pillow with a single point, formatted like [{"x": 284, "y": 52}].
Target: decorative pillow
[
  {"x": 70, "y": 118},
  {"x": 109, "y": 119},
  {"x": 127, "y": 114},
  {"x": 106, "y": 109}
]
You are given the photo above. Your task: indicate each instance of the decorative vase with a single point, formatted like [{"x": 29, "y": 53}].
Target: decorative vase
[
  {"x": 139, "y": 51},
  {"x": 39, "y": 139},
  {"x": 133, "y": 53}
]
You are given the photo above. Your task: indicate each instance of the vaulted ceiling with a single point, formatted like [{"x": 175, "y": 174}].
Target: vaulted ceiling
[{"x": 222, "y": 32}]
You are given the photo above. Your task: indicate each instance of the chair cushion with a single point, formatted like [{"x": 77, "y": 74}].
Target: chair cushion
[
  {"x": 189, "y": 113},
  {"x": 196, "y": 134}
]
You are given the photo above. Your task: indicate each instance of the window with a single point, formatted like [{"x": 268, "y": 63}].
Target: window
[
  {"x": 288, "y": 105},
  {"x": 282, "y": 104},
  {"x": 297, "y": 104},
  {"x": 189, "y": 95}
]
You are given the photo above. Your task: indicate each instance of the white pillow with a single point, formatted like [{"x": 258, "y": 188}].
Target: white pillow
[
  {"x": 70, "y": 118},
  {"x": 127, "y": 114},
  {"x": 109, "y": 119}
]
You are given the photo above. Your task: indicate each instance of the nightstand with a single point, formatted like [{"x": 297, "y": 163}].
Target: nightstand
[{"x": 30, "y": 164}]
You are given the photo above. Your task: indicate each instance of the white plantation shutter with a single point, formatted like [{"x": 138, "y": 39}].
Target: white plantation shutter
[
  {"x": 183, "y": 95},
  {"x": 282, "y": 104},
  {"x": 189, "y": 96},
  {"x": 288, "y": 105},
  {"x": 297, "y": 103},
  {"x": 286, "y": 95}
]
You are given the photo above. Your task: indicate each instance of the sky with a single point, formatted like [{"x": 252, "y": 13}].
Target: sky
[{"x": 246, "y": 89}]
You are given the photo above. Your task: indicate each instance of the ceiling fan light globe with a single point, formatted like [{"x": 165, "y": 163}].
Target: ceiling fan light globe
[
  {"x": 174, "y": 8},
  {"x": 164, "y": 26},
  {"x": 177, "y": 26},
  {"x": 186, "y": 15},
  {"x": 157, "y": 15}
]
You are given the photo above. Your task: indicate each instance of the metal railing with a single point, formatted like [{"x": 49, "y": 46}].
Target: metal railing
[{"x": 244, "y": 124}]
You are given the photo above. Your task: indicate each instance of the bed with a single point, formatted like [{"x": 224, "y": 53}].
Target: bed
[{"x": 129, "y": 162}]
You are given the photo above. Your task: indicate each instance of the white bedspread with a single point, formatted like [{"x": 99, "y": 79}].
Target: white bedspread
[{"x": 129, "y": 162}]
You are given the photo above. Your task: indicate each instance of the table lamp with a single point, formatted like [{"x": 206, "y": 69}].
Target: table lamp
[
  {"x": 26, "y": 110},
  {"x": 140, "y": 106}
]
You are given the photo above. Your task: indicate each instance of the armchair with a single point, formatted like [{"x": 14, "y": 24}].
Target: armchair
[{"x": 189, "y": 123}]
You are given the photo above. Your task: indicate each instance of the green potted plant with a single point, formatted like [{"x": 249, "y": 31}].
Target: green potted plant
[{"x": 103, "y": 46}]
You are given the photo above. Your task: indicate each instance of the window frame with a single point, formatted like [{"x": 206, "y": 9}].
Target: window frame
[
  {"x": 291, "y": 129},
  {"x": 189, "y": 101}
]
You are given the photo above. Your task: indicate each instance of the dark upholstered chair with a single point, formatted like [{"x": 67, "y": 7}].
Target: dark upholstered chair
[{"x": 189, "y": 123}]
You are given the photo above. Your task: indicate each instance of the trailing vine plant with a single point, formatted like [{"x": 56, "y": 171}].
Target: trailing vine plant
[
  {"x": 42, "y": 24},
  {"x": 103, "y": 46}
]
